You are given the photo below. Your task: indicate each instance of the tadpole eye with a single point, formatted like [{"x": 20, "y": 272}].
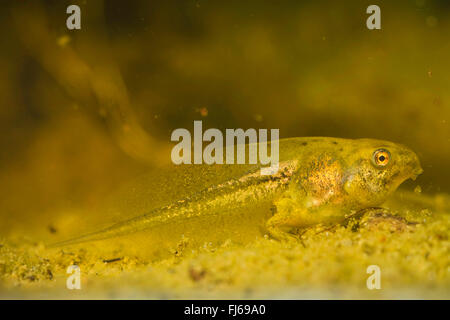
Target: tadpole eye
[{"x": 381, "y": 157}]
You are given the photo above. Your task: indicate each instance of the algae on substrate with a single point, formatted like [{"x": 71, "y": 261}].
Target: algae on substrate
[{"x": 410, "y": 245}]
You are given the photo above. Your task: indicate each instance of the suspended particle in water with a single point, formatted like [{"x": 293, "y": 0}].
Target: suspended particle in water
[{"x": 418, "y": 189}]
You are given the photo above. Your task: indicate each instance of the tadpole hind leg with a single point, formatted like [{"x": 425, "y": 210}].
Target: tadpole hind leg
[{"x": 275, "y": 228}]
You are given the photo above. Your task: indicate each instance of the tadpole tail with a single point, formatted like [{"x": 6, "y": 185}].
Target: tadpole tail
[
  {"x": 118, "y": 229},
  {"x": 94, "y": 236}
]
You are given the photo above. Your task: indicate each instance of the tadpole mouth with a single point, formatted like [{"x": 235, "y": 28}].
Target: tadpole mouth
[{"x": 417, "y": 172}]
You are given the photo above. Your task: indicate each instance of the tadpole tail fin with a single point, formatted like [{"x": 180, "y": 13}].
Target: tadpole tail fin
[
  {"x": 118, "y": 229},
  {"x": 98, "y": 235}
]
